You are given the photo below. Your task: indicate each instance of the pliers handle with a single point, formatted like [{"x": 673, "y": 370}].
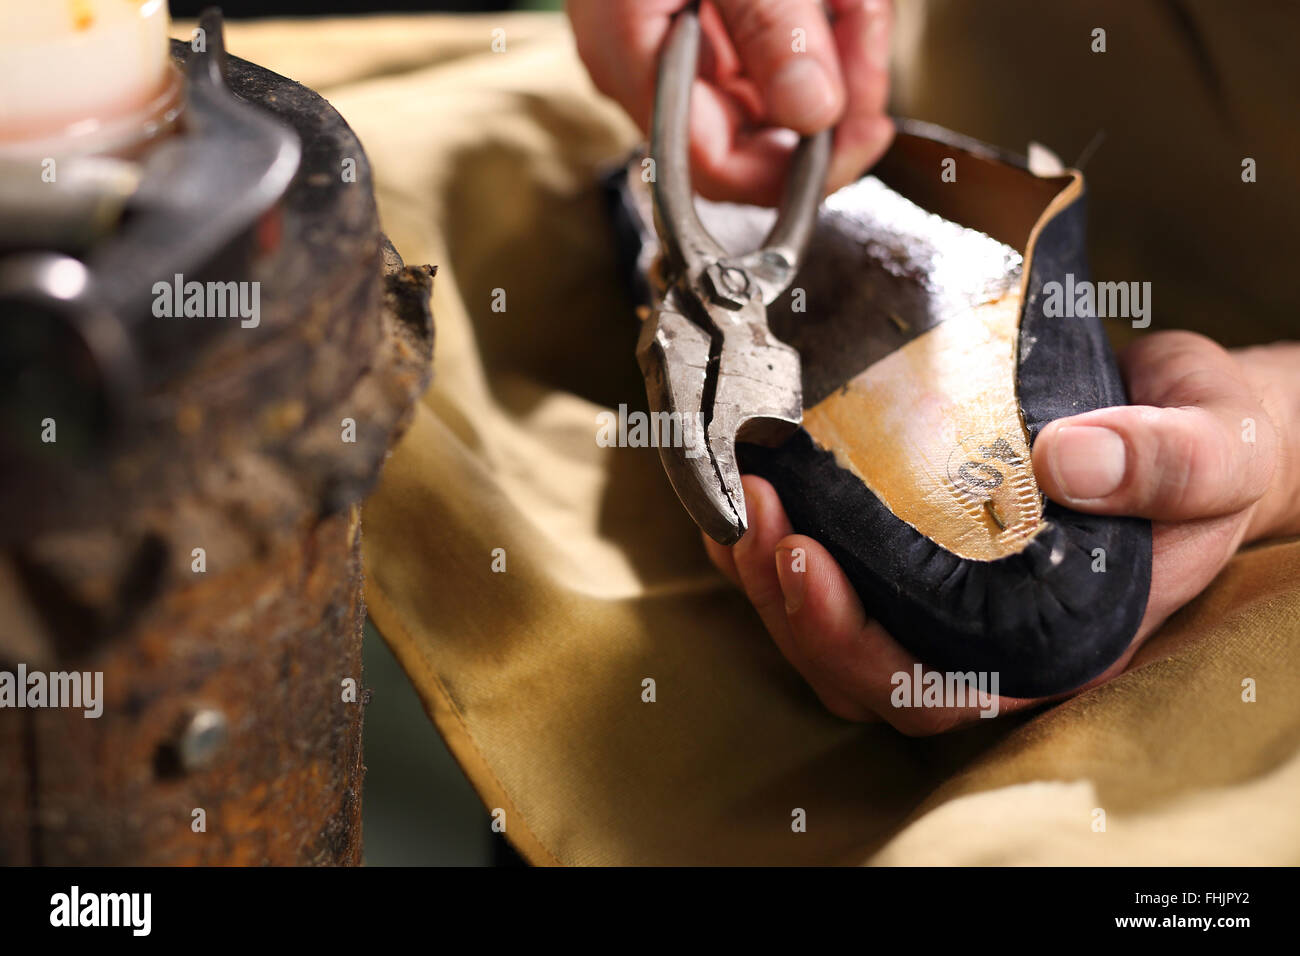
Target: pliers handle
[{"x": 689, "y": 246}]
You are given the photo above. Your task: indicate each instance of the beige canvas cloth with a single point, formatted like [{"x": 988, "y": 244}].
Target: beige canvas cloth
[{"x": 485, "y": 164}]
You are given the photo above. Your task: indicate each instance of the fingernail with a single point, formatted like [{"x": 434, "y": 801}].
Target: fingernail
[
  {"x": 792, "y": 574},
  {"x": 1088, "y": 462},
  {"x": 802, "y": 92}
]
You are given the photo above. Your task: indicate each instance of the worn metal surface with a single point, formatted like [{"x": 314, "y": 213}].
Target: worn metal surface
[{"x": 224, "y": 688}]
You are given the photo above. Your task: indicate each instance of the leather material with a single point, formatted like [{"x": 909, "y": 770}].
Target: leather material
[{"x": 1064, "y": 606}]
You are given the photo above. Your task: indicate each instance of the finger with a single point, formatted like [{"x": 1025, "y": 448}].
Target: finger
[
  {"x": 862, "y": 33},
  {"x": 788, "y": 51},
  {"x": 767, "y": 524},
  {"x": 735, "y": 161},
  {"x": 1197, "y": 445},
  {"x": 619, "y": 41},
  {"x": 850, "y": 654},
  {"x": 1186, "y": 556},
  {"x": 731, "y": 161},
  {"x": 1271, "y": 370},
  {"x": 753, "y": 556},
  {"x": 830, "y": 631}
]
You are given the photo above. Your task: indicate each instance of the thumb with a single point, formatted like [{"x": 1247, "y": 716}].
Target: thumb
[
  {"x": 1199, "y": 445},
  {"x": 788, "y": 51}
]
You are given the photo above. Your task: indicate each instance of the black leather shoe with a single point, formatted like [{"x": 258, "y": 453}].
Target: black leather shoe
[{"x": 929, "y": 368}]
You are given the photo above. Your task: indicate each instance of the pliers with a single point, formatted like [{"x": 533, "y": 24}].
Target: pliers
[{"x": 708, "y": 357}]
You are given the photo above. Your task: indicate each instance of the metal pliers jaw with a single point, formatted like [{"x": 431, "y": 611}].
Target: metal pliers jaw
[{"x": 707, "y": 354}]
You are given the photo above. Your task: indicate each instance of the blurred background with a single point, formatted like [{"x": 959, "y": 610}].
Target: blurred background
[{"x": 280, "y": 8}]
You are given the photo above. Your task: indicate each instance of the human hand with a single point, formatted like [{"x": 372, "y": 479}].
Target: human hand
[
  {"x": 769, "y": 66},
  {"x": 1209, "y": 451}
]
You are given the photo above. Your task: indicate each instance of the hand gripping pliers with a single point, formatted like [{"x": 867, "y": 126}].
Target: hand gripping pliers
[{"x": 708, "y": 356}]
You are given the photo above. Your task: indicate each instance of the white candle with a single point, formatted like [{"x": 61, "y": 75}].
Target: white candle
[{"x": 83, "y": 75}]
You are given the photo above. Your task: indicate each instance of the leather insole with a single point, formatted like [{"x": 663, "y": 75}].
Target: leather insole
[{"x": 934, "y": 431}]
